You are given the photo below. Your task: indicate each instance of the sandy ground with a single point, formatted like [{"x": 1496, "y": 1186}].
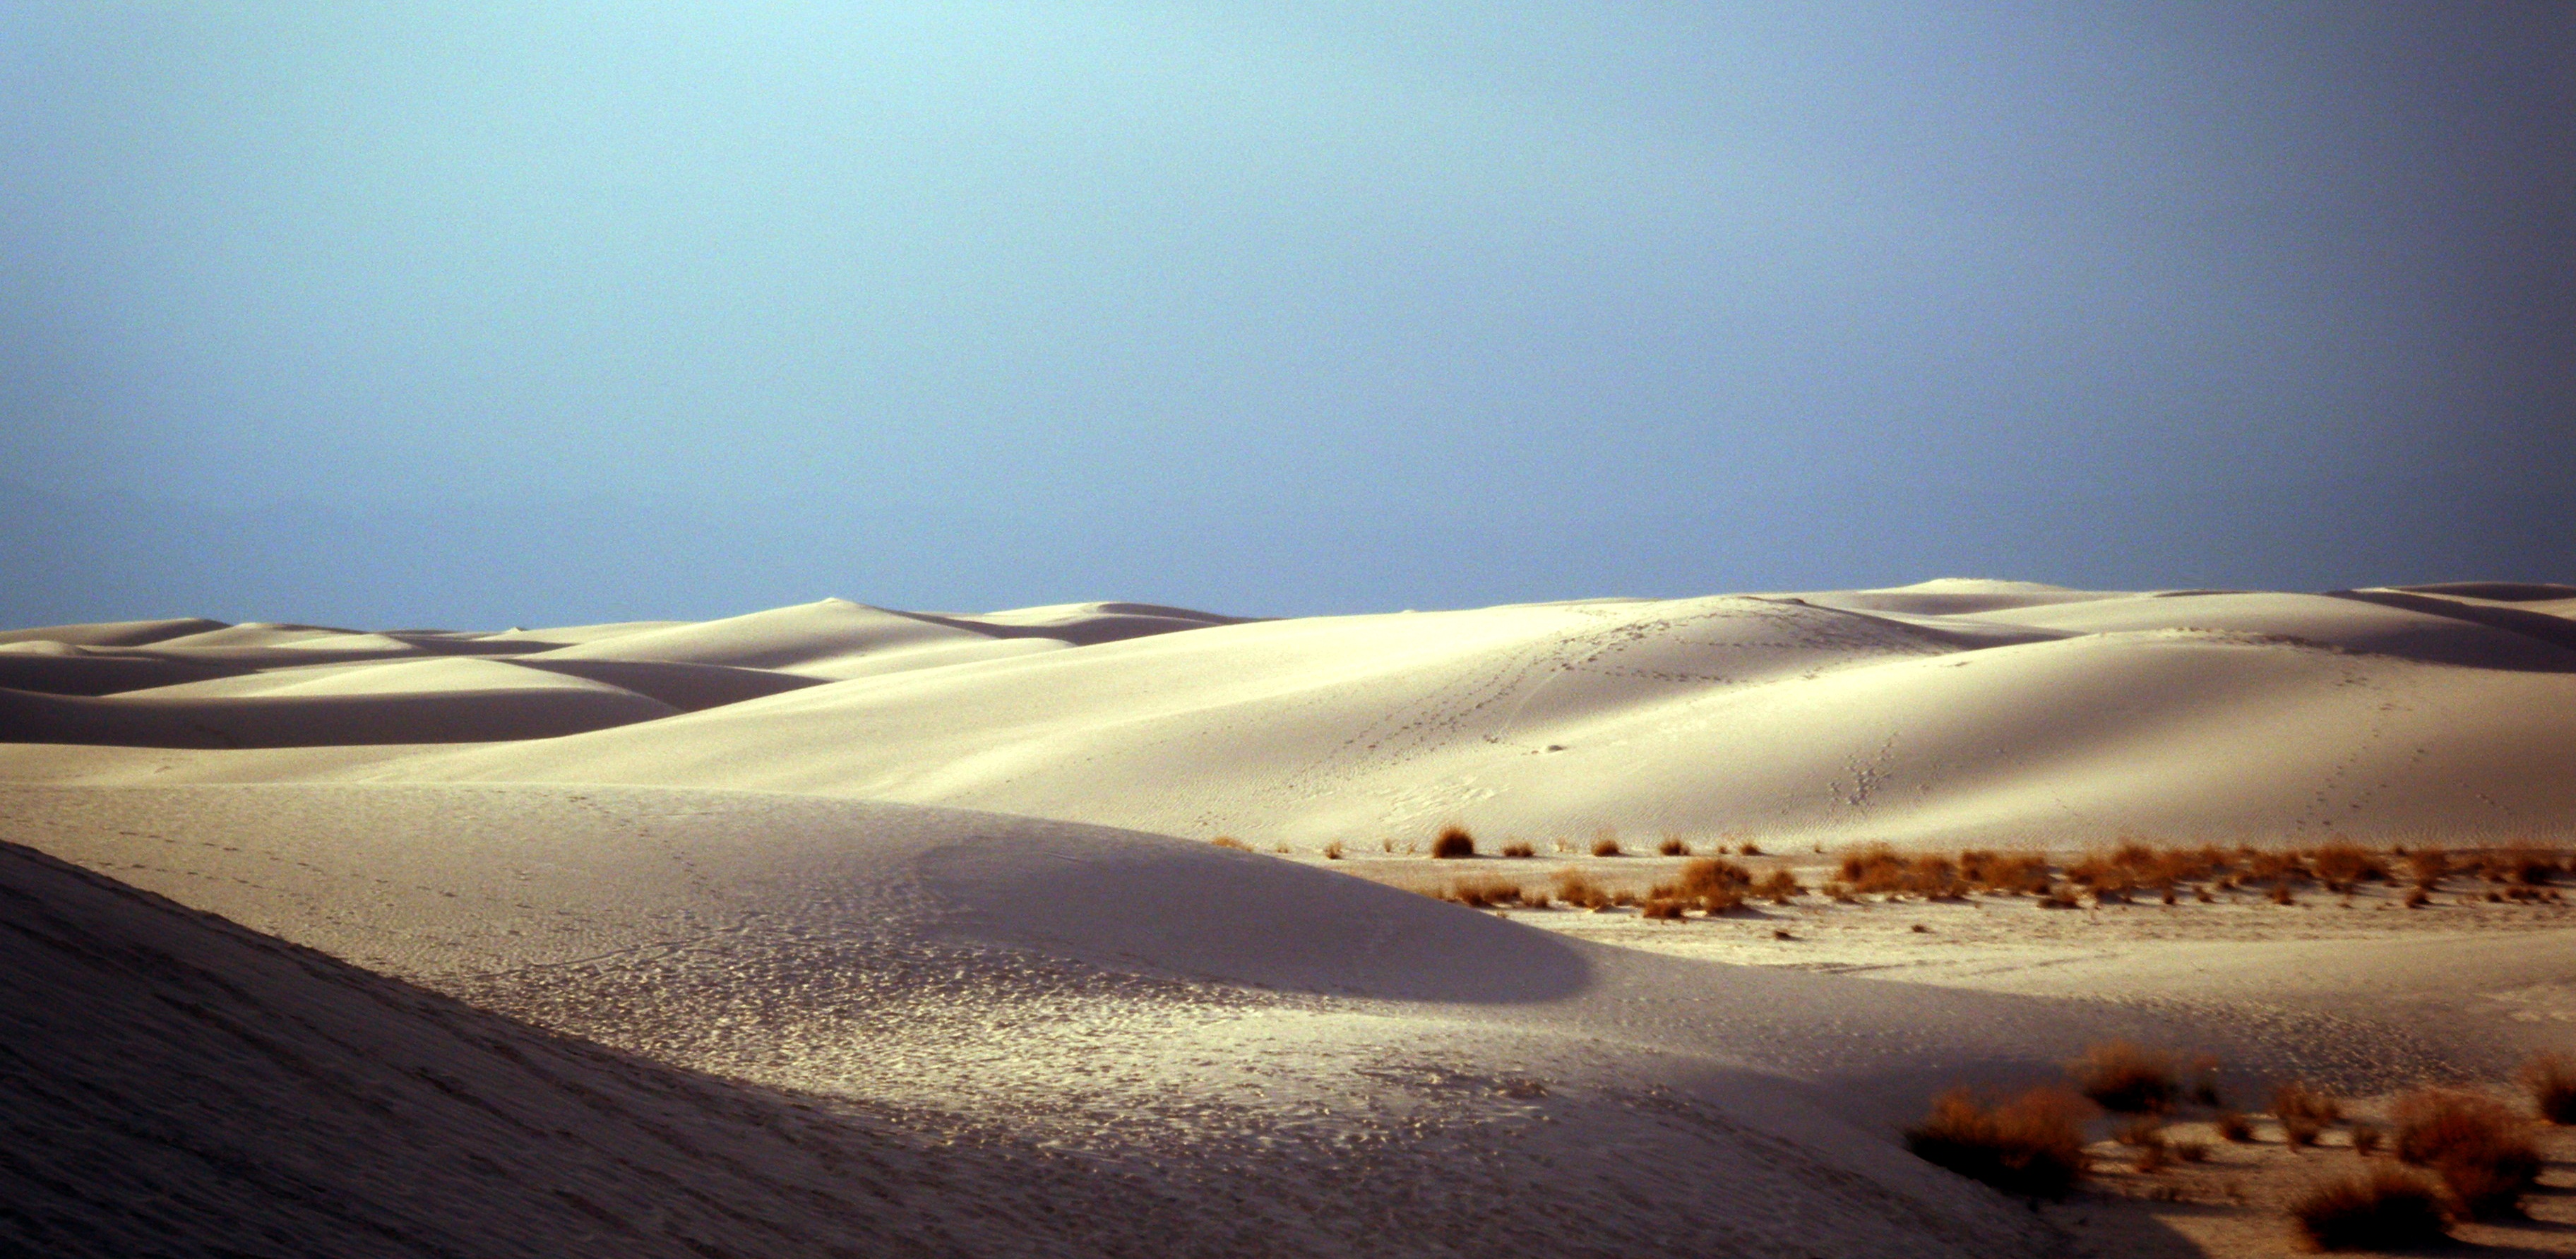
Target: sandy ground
[{"x": 835, "y": 885}]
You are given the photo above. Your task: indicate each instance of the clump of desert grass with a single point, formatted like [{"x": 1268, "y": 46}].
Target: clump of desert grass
[
  {"x": 2381, "y": 1208},
  {"x": 1333, "y": 851},
  {"x": 1577, "y": 889},
  {"x": 2031, "y": 1145},
  {"x": 2483, "y": 1152},
  {"x": 1881, "y": 869},
  {"x": 1453, "y": 842},
  {"x": 1483, "y": 893},
  {"x": 2126, "y": 1078},
  {"x": 2304, "y": 1112},
  {"x": 1519, "y": 849},
  {"x": 1779, "y": 887},
  {"x": 1229, "y": 841},
  {"x": 1673, "y": 846},
  {"x": 2551, "y": 1080},
  {"x": 2366, "y": 1137},
  {"x": 1714, "y": 885},
  {"x": 2233, "y": 1126},
  {"x": 2009, "y": 874}
]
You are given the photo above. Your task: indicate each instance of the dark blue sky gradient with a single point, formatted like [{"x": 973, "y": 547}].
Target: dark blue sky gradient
[{"x": 551, "y": 313}]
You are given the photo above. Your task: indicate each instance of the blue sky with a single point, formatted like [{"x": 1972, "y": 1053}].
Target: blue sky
[{"x": 504, "y": 314}]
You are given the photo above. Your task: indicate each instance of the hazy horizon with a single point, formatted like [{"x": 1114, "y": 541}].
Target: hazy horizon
[{"x": 490, "y": 316}]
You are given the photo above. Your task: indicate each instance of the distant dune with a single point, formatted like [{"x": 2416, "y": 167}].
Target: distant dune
[
  {"x": 1966, "y": 711},
  {"x": 835, "y": 929}
]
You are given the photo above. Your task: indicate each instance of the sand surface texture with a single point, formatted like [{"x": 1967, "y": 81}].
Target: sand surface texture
[{"x": 834, "y": 887}]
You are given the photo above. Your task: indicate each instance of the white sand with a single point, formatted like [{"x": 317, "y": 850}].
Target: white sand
[{"x": 736, "y": 848}]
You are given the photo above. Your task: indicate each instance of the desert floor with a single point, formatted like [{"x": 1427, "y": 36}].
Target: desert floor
[{"x": 840, "y": 930}]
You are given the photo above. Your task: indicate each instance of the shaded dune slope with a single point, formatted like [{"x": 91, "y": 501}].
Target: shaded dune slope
[
  {"x": 176, "y": 1085},
  {"x": 1155, "y": 1100}
]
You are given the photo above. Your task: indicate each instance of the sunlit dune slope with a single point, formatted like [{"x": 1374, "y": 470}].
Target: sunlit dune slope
[
  {"x": 1951, "y": 711},
  {"x": 2038, "y": 717}
]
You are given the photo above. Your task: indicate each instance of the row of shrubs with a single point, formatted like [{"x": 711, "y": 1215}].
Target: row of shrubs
[
  {"x": 1710, "y": 885},
  {"x": 2477, "y": 1157}
]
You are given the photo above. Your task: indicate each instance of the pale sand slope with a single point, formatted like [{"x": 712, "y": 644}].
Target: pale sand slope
[
  {"x": 1962, "y": 712},
  {"x": 1270, "y": 1058},
  {"x": 177, "y": 1086}
]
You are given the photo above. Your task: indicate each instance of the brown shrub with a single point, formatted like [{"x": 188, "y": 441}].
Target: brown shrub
[
  {"x": 2306, "y": 1101},
  {"x": 2032, "y": 1145},
  {"x": 2342, "y": 863},
  {"x": 1606, "y": 846},
  {"x": 1751, "y": 849},
  {"x": 1577, "y": 889},
  {"x": 2004, "y": 872},
  {"x": 1674, "y": 846},
  {"x": 1229, "y": 841},
  {"x": 2428, "y": 865},
  {"x": 2058, "y": 896},
  {"x": 2417, "y": 898},
  {"x": 1533, "y": 899},
  {"x": 1453, "y": 842},
  {"x": 1875, "y": 868},
  {"x": 1479, "y": 893},
  {"x": 1333, "y": 851},
  {"x": 1779, "y": 886},
  {"x": 2482, "y": 1151},
  {"x": 2233, "y": 1126},
  {"x": 1664, "y": 909},
  {"x": 2365, "y": 1137},
  {"x": 2125, "y": 1078},
  {"x": 2382, "y": 1208},
  {"x": 1519, "y": 850},
  {"x": 1935, "y": 877},
  {"x": 2280, "y": 894},
  {"x": 2551, "y": 1079},
  {"x": 2191, "y": 1151}
]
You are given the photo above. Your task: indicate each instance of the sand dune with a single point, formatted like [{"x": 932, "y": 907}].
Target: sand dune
[
  {"x": 932, "y": 885},
  {"x": 875, "y": 954},
  {"x": 2055, "y": 720}
]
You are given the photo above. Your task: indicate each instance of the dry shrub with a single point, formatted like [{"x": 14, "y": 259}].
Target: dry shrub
[
  {"x": 1779, "y": 887},
  {"x": 1674, "y": 846},
  {"x": 2528, "y": 866},
  {"x": 2417, "y": 898},
  {"x": 1876, "y": 868},
  {"x": 2191, "y": 1151},
  {"x": 2125, "y": 1078},
  {"x": 2482, "y": 1151},
  {"x": 1453, "y": 842},
  {"x": 1837, "y": 891},
  {"x": 1479, "y": 893},
  {"x": 1333, "y": 851},
  {"x": 1713, "y": 883},
  {"x": 1577, "y": 889},
  {"x": 1229, "y": 841},
  {"x": 2428, "y": 865},
  {"x": 2343, "y": 863},
  {"x": 1606, "y": 846},
  {"x": 2384, "y": 1208},
  {"x": 2280, "y": 894},
  {"x": 2032, "y": 1145},
  {"x": 2365, "y": 1137},
  {"x": 1751, "y": 849},
  {"x": 1664, "y": 909},
  {"x": 1533, "y": 899},
  {"x": 2551, "y": 1078},
  {"x": 1935, "y": 877},
  {"x": 2282, "y": 867},
  {"x": 2306, "y": 1101},
  {"x": 2004, "y": 872},
  {"x": 2233, "y": 1126},
  {"x": 1519, "y": 850},
  {"x": 2058, "y": 896}
]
